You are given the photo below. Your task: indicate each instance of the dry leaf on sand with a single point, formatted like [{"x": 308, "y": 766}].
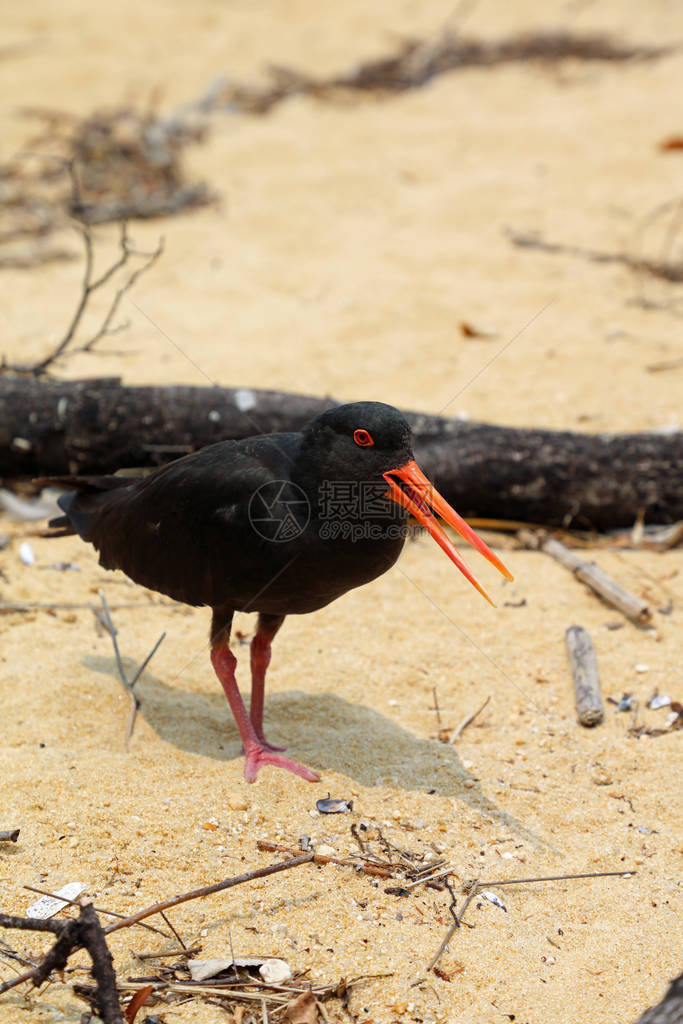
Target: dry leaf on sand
[{"x": 302, "y": 1010}]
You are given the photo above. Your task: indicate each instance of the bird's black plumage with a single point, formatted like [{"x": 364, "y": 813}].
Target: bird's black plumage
[{"x": 191, "y": 529}]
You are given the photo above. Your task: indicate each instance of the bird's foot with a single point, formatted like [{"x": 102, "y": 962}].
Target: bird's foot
[
  {"x": 263, "y": 742},
  {"x": 258, "y": 756}
]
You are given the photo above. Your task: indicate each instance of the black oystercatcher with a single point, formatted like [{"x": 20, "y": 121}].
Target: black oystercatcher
[{"x": 278, "y": 524}]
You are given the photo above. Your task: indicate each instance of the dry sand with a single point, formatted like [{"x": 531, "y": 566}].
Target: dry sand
[{"x": 352, "y": 241}]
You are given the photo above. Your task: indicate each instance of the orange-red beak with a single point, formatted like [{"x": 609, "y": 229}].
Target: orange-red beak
[{"x": 409, "y": 487}]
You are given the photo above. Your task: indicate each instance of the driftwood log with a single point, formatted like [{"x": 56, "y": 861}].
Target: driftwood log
[{"x": 557, "y": 478}]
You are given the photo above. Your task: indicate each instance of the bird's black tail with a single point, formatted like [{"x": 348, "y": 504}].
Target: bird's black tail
[{"x": 81, "y": 505}]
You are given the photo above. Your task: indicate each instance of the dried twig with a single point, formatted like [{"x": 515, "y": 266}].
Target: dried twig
[
  {"x": 612, "y": 593},
  {"x": 128, "y": 685},
  {"x": 207, "y": 890},
  {"x": 585, "y": 673},
  {"x": 666, "y": 271},
  {"x": 476, "y": 885},
  {"x": 556, "y": 878},
  {"x": 457, "y": 919},
  {"x": 179, "y": 951},
  {"x": 319, "y": 858},
  {"x": 467, "y": 720}
]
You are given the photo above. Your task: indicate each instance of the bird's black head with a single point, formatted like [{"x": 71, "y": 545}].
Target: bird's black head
[
  {"x": 369, "y": 442},
  {"x": 359, "y": 441}
]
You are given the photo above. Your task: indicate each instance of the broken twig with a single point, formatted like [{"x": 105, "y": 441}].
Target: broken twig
[
  {"x": 208, "y": 890},
  {"x": 106, "y": 620},
  {"x": 634, "y": 608},
  {"x": 585, "y": 673},
  {"x": 467, "y": 720}
]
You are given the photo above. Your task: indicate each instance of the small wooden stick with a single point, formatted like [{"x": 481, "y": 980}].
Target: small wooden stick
[
  {"x": 628, "y": 604},
  {"x": 457, "y": 918},
  {"x": 585, "y": 672},
  {"x": 207, "y": 890},
  {"x": 467, "y": 720}
]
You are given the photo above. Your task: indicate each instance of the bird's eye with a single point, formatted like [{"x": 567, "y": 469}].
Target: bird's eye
[{"x": 362, "y": 438}]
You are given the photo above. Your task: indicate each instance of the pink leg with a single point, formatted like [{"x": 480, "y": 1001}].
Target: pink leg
[
  {"x": 224, "y": 662},
  {"x": 268, "y": 626}
]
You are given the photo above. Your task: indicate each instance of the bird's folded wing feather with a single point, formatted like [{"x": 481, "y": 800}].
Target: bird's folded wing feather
[{"x": 185, "y": 528}]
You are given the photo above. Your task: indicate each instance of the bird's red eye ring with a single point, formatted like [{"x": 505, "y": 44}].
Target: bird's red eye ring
[{"x": 362, "y": 438}]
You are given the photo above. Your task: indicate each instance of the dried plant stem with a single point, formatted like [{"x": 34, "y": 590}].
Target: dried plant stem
[
  {"x": 91, "y": 285},
  {"x": 467, "y": 720},
  {"x": 128, "y": 685},
  {"x": 208, "y": 890}
]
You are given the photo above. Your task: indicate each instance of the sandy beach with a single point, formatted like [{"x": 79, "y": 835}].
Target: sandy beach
[{"x": 351, "y": 241}]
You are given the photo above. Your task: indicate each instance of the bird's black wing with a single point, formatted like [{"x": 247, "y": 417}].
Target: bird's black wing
[{"x": 186, "y": 530}]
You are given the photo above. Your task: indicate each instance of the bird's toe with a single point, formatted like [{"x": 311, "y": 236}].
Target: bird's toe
[{"x": 259, "y": 756}]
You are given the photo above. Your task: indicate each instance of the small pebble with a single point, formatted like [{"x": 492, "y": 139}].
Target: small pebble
[
  {"x": 237, "y": 803},
  {"x": 640, "y": 667},
  {"x": 326, "y": 851}
]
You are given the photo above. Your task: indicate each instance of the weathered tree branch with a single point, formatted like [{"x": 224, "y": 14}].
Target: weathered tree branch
[{"x": 555, "y": 478}]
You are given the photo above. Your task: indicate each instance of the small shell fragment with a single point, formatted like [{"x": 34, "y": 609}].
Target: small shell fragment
[
  {"x": 200, "y": 970},
  {"x": 492, "y": 898},
  {"x": 26, "y": 553},
  {"x": 626, "y": 702},
  {"x": 659, "y": 700},
  {"x": 275, "y": 971},
  {"x": 48, "y": 906},
  {"x": 332, "y": 805}
]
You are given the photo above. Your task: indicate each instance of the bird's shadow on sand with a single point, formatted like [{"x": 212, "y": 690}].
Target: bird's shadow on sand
[{"x": 323, "y": 731}]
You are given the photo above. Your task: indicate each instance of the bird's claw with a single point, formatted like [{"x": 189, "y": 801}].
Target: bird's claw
[{"x": 258, "y": 756}]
